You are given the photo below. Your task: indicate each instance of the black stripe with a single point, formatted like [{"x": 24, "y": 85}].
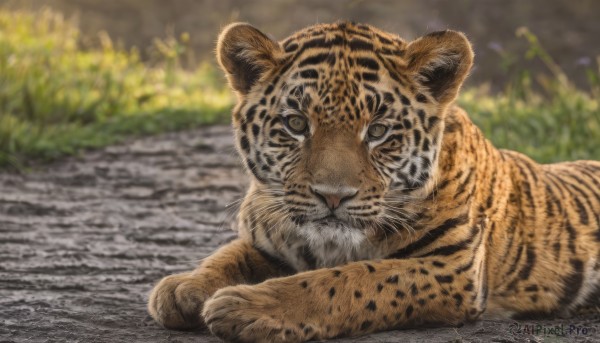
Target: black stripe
[
  {"x": 362, "y": 34},
  {"x": 572, "y": 283},
  {"x": 320, "y": 42},
  {"x": 594, "y": 181},
  {"x": 586, "y": 184},
  {"x": 531, "y": 170},
  {"x": 572, "y": 235},
  {"x": 316, "y": 59},
  {"x": 510, "y": 229},
  {"x": 550, "y": 200},
  {"x": 365, "y": 325},
  {"x": 463, "y": 185},
  {"x": 370, "y": 77},
  {"x": 308, "y": 257},
  {"x": 525, "y": 272},
  {"x": 309, "y": 74},
  {"x": 421, "y": 115},
  {"x": 557, "y": 183},
  {"x": 291, "y": 47},
  {"x": 453, "y": 248},
  {"x": 513, "y": 265},
  {"x": 368, "y": 63},
  {"x": 531, "y": 288},
  {"x": 360, "y": 44},
  {"x": 583, "y": 215},
  {"x": 527, "y": 189},
  {"x": 251, "y": 113},
  {"x": 448, "y": 249},
  {"x": 277, "y": 262},
  {"x": 252, "y": 167},
  {"x": 583, "y": 194},
  {"x": 245, "y": 144},
  {"x": 421, "y": 98},
  {"x": 490, "y": 199},
  {"x": 444, "y": 278},
  {"x": 463, "y": 268},
  {"x": 246, "y": 269},
  {"x": 556, "y": 247},
  {"x": 555, "y": 198},
  {"x": 293, "y": 103},
  {"x": 255, "y": 130},
  {"x": 430, "y": 237},
  {"x": 383, "y": 39}
]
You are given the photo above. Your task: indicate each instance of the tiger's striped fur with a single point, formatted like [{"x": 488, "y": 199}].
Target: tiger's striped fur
[{"x": 345, "y": 232}]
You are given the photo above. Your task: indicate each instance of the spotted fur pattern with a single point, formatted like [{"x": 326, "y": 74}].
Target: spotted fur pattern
[{"x": 344, "y": 233}]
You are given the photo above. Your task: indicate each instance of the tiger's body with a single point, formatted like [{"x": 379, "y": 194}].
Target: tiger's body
[{"x": 375, "y": 203}]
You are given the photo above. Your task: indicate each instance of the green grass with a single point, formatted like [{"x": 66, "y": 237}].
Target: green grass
[
  {"x": 563, "y": 125},
  {"x": 549, "y": 120},
  {"x": 59, "y": 96}
]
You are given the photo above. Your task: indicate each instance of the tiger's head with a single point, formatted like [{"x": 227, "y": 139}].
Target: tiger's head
[{"x": 340, "y": 124}]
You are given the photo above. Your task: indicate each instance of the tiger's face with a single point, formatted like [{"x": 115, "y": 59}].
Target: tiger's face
[{"x": 341, "y": 125}]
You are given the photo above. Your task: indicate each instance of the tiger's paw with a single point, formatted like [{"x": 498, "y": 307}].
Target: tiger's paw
[
  {"x": 176, "y": 302},
  {"x": 252, "y": 314}
]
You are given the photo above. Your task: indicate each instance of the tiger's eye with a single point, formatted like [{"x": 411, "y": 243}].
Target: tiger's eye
[
  {"x": 297, "y": 124},
  {"x": 377, "y": 131}
]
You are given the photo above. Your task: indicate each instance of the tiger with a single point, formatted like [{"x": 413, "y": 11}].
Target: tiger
[{"x": 375, "y": 203}]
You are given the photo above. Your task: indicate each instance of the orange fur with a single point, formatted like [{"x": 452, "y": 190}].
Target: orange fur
[{"x": 344, "y": 233}]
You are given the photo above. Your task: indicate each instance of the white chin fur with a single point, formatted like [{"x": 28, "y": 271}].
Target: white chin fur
[
  {"x": 335, "y": 244},
  {"x": 341, "y": 235}
]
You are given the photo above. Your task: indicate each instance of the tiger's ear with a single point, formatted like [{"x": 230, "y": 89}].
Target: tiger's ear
[
  {"x": 245, "y": 54},
  {"x": 440, "y": 62}
]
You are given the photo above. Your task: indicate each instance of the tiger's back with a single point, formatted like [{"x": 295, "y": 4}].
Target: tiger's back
[
  {"x": 544, "y": 227},
  {"x": 554, "y": 259}
]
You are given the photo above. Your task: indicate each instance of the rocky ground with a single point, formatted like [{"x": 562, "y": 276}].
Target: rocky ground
[{"x": 82, "y": 241}]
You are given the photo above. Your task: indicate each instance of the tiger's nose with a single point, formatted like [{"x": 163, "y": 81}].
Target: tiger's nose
[{"x": 333, "y": 197}]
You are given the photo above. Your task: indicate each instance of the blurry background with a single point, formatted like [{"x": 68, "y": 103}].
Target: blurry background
[
  {"x": 569, "y": 30},
  {"x": 84, "y": 73}
]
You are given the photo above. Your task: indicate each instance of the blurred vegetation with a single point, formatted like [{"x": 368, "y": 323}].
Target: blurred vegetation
[
  {"x": 545, "y": 116},
  {"x": 58, "y": 96}
]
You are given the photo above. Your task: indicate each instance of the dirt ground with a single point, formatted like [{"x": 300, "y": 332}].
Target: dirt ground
[{"x": 82, "y": 241}]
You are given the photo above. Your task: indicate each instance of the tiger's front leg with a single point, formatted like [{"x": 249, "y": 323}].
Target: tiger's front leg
[
  {"x": 176, "y": 302},
  {"x": 355, "y": 299}
]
